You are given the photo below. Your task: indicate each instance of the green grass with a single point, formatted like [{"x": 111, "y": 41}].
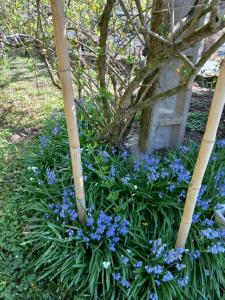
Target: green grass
[{"x": 27, "y": 97}]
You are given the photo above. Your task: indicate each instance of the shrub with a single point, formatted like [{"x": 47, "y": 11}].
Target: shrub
[{"x": 125, "y": 250}]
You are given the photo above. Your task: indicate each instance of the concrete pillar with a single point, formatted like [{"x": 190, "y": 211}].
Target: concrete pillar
[{"x": 169, "y": 116}]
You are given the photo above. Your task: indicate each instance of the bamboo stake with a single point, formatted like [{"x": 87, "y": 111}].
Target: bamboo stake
[
  {"x": 58, "y": 17},
  {"x": 205, "y": 151}
]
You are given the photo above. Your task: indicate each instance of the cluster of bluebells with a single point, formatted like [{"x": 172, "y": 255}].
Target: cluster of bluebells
[
  {"x": 221, "y": 143},
  {"x": 65, "y": 210},
  {"x": 51, "y": 177},
  {"x": 220, "y": 183},
  {"x": 178, "y": 170},
  {"x": 122, "y": 281},
  {"x": 105, "y": 227},
  {"x": 211, "y": 233}
]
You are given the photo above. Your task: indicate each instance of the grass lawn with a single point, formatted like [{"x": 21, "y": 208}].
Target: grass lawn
[{"x": 27, "y": 97}]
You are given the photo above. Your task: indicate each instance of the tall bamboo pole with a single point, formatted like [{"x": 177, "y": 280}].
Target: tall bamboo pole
[
  {"x": 205, "y": 151},
  {"x": 58, "y": 17}
]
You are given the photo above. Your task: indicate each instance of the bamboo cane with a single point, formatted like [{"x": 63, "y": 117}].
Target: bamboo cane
[
  {"x": 58, "y": 17},
  {"x": 205, "y": 151}
]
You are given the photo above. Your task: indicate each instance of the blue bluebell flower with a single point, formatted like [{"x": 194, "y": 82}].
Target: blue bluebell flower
[
  {"x": 56, "y": 130},
  {"x": 157, "y": 282},
  {"x": 138, "y": 264},
  {"x": 173, "y": 255},
  {"x": 116, "y": 276},
  {"x": 180, "y": 267},
  {"x": 51, "y": 178},
  {"x": 184, "y": 149},
  {"x": 137, "y": 166},
  {"x": 195, "y": 218},
  {"x": 125, "y": 179},
  {"x": 125, "y": 154},
  {"x": 195, "y": 254},
  {"x": 210, "y": 233},
  {"x": 112, "y": 171},
  {"x": 216, "y": 248},
  {"x": 208, "y": 222},
  {"x": 44, "y": 140},
  {"x": 153, "y": 296},
  {"x": 70, "y": 232},
  {"x": 124, "y": 260},
  {"x": 125, "y": 283},
  {"x": 221, "y": 143},
  {"x": 167, "y": 277},
  {"x": 73, "y": 215},
  {"x": 182, "y": 282},
  {"x": 104, "y": 154}
]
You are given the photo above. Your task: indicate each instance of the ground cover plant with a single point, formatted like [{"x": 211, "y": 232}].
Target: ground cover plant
[
  {"x": 125, "y": 249},
  {"x": 26, "y": 98}
]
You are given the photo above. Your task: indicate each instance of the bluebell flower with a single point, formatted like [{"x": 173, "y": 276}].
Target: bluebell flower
[
  {"x": 137, "y": 166},
  {"x": 70, "y": 232},
  {"x": 138, "y": 264},
  {"x": 210, "y": 233},
  {"x": 125, "y": 179},
  {"x": 171, "y": 187},
  {"x": 116, "y": 276},
  {"x": 161, "y": 195},
  {"x": 90, "y": 221},
  {"x": 173, "y": 255},
  {"x": 96, "y": 236},
  {"x": 123, "y": 229},
  {"x": 125, "y": 154},
  {"x": 214, "y": 157},
  {"x": 85, "y": 178},
  {"x": 221, "y": 143},
  {"x": 157, "y": 282},
  {"x": 80, "y": 233},
  {"x": 182, "y": 282},
  {"x": 153, "y": 176},
  {"x": 46, "y": 216},
  {"x": 157, "y": 247},
  {"x": 167, "y": 277},
  {"x": 164, "y": 173},
  {"x": 195, "y": 218},
  {"x": 219, "y": 206},
  {"x": 154, "y": 270},
  {"x": 104, "y": 154},
  {"x": 56, "y": 130},
  {"x": 208, "y": 222},
  {"x": 153, "y": 296},
  {"x": 73, "y": 215},
  {"x": 125, "y": 283},
  {"x": 195, "y": 254},
  {"x": 124, "y": 260},
  {"x": 216, "y": 248},
  {"x": 148, "y": 269},
  {"x": 112, "y": 247},
  {"x": 204, "y": 204},
  {"x": 44, "y": 140},
  {"x": 111, "y": 230},
  {"x": 90, "y": 166},
  {"x": 51, "y": 178},
  {"x": 180, "y": 267},
  {"x": 112, "y": 171},
  {"x": 184, "y": 149},
  {"x": 51, "y": 205}
]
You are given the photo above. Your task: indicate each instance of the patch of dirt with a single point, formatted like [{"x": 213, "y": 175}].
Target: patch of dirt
[{"x": 26, "y": 134}]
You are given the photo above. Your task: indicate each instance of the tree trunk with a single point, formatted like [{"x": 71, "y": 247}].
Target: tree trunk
[{"x": 163, "y": 124}]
